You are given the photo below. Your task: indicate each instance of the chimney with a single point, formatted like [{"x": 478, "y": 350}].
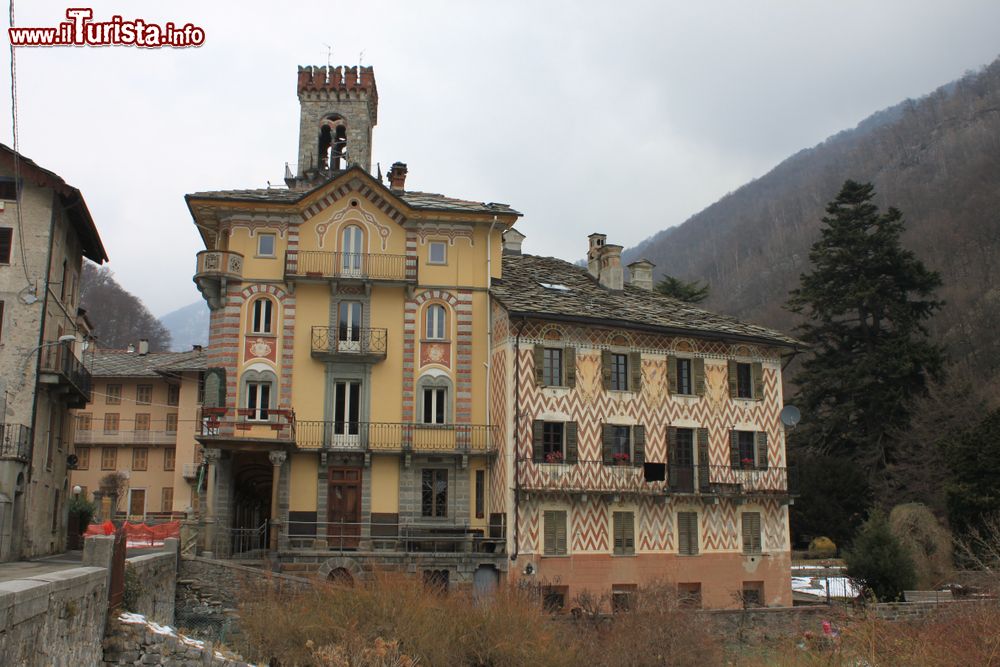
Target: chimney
[
  {"x": 196, "y": 348},
  {"x": 612, "y": 274},
  {"x": 143, "y": 346},
  {"x": 397, "y": 176},
  {"x": 641, "y": 274},
  {"x": 512, "y": 240},
  {"x": 130, "y": 349},
  {"x": 594, "y": 254}
]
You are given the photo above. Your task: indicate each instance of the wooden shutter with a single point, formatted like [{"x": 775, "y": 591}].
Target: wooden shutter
[
  {"x": 698, "y": 373},
  {"x": 734, "y": 449},
  {"x": 732, "y": 379},
  {"x": 624, "y": 532},
  {"x": 537, "y": 450},
  {"x": 607, "y": 444},
  {"x": 539, "y": 365},
  {"x": 672, "y": 374},
  {"x": 561, "y": 533},
  {"x": 751, "y": 533},
  {"x": 629, "y": 532},
  {"x": 703, "y": 459},
  {"x": 606, "y": 358},
  {"x": 757, "y": 372},
  {"x": 761, "y": 450},
  {"x": 572, "y": 454},
  {"x": 687, "y": 529},
  {"x": 635, "y": 371},
  {"x": 569, "y": 366},
  {"x": 638, "y": 445},
  {"x": 672, "y": 472},
  {"x": 549, "y": 546}
]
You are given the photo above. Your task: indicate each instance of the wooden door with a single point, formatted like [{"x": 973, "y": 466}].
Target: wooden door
[
  {"x": 137, "y": 504},
  {"x": 343, "y": 508}
]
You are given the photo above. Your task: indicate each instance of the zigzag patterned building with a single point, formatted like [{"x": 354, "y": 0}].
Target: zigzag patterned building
[{"x": 392, "y": 384}]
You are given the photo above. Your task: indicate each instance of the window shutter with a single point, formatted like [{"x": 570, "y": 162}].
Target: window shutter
[
  {"x": 549, "y": 519},
  {"x": 683, "y": 532},
  {"x": 758, "y": 534},
  {"x": 761, "y": 450},
  {"x": 672, "y": 472},
  {"x": 732, "y": 379},
  {"x": 638, "y": 445},
  {"x": 560, "y": 533},
  {"x": 703, "y": 471},
  {"x": 757, "y": 371},
  {"x": 751, "y": 533},
  {"x": 693, "y": 525},
  {"x": 628, "y": 531},
  {"x": 698, "y": 371},
  {"x": 537, "y": 450},
  {"x": 747, "y": 534},
  {"x": 635, "y": 371},
  {"x": 571, "y": 449},
  {"x": 569, "y": 362},
  {"x": 618, "y": 528},
  {"x": 672, "y": 374},
  {"x": 734, "y": 449},
  {"x": 607, "y": 444},
  {"x": 606, "y": 369},
  {"x": 539, "y": 365}
]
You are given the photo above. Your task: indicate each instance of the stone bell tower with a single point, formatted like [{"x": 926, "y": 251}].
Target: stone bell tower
[{"x": 339, "y": 108}]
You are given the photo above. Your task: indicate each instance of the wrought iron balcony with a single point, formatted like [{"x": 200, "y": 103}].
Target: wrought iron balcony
[
  {"x": 215, "y": 269},
  {"x": 344, "y": 344},
  {"x": 130, "y": 437},
  {"x": 222, "y": 424},
  {"x": 393, "y": 437},
  {"x": 316, "y": 265},
  {"x": 61, "y": 369},
  {"x": 598, "y": 477},
  {"x": 15, "y": 442}
]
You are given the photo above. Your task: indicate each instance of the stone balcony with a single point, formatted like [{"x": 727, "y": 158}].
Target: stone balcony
[{"x": 216, "y": 268}]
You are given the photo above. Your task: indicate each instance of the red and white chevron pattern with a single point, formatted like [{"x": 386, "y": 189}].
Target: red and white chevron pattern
[{"x": 589, "y": 523}]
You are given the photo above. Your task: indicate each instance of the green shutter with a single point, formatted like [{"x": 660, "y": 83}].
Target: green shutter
[
  {"x": 672, "y": 374},
  {"x": 539, "y": 365},
  {"x": 704, "y": 479},
  {"x": 572, "y": 454},
  {"x": 537, "y": 451},
  {"x": 734, "y": 449},
  {"x": 607, "y": 444},
  {"x": 672, "y": 472},
  {"x": 635, "y": 371},
  {"x": 606, "y": 369},
  {"x": 215, "y": 388},
  {"x": 698, "y": 371},
  {"x": 569, "y": 361},
  {"x": 761, "y": 447},
  {"x": 732, "y": 379},
  {"x": 638, "y": 445},
  {"x": 757, "y": 371}
]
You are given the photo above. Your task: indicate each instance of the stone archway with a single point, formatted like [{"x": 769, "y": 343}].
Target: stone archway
[{"x": 340, "y": 570}]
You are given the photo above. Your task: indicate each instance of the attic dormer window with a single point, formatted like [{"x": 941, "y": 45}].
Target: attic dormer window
[{"x": 332, "y": 143}]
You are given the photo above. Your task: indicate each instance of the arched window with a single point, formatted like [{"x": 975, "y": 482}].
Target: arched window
[
  {"x": 258, "y": 395},
  {"x": 262, "y": 316},
  {"x": 434, "y": 397},
  {"x": 351, "y": 245},
  {"x": 436, "y": 322},
  {"x": 332, "y": 143}
]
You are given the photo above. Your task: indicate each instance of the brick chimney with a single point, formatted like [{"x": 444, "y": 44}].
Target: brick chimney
[
  {"x": 512, "y": 240},
  {"x": 397, "y": 176},
  {"x": 604, "y": 262},
  {"x": 594, "y": 254},
  {"x": 641, "y": 274}
]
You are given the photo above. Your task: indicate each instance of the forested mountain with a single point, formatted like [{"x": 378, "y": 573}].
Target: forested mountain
[
  {"x": 119, "y": 317},
  {"x": 937, "y": 159}
]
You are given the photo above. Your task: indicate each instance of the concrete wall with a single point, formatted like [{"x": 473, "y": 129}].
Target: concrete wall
[{"x": 54, "y": 619}]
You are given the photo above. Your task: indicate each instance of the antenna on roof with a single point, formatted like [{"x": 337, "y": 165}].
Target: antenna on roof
[
  {"x": 329, "y": 54},
  {"x": 361, "y": 58}
]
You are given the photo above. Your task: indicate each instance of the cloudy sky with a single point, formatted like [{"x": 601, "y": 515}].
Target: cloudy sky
[{"x": 621, "y": 117}]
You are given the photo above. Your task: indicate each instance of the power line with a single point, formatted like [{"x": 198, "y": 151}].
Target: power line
[{"x": 17, "y": 154}]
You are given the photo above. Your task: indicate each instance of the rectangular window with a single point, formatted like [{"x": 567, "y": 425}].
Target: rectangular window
[
  {"x": 8, "y": 189},
  {"x": 555, "y": 532},
  {"x": 83, "y": 458},
  {"x": 751, "y": 533},
  {"x": 140, "y": 458},
  {"x": 624, "y": 533},
  {"x": 144, "y": 394},
  {"x": 84, "y": 421},
  {"x": 111, "y": 422},
  {"x": 745, "y": 441},
  {"x": 6, "y": 243},
  {"x": 437, "y": 252},
  {"x": 554, "y": 598},
  {"x": 349, "y": 326},
  {"x": 619, "y": 372},
  {"x": 258, "y": 401},
  {"x": 201, "y": 387},
  {"x": 553, "y": 442},
  {"x": 346, "y": 408},
  {"x": 142, "y": 421},
  {"x": 684, "y": 384},
  {"x": 173, "y": 394},
  {"x": 687, "y": 533},
  {"x": 744, "y": 381},
  {"x": 689, "y": 594},
  {"x": 622, "y": 597},
  {"x": 262, "y": 309},
  {"x": 552, "y": 374},
  {"x": 171, "y": 422},
  {"x": 167, "y": 499},
  {"x": 753, "y": 594},
  {"x": 109, "y": 458},
  {"x": 434, "y": 493},
  {"x": 113, "y": 394},
  {"x": 265, "y": 245},
  {"x": 435, "y": 405},
  {"x": 169, "y": 458},
  {"x": 480, "y": 494},
  {"x": 621, "y": 448}
]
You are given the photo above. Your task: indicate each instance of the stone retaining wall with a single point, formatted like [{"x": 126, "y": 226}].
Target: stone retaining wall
[
  {"x": 135, "y": 642},
  {"x": 150, "y": 584}
]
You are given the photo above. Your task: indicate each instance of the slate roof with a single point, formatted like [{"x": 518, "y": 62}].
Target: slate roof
[
  {"x": 521, "y": 292},
  {"x": 120, "y": 363}
]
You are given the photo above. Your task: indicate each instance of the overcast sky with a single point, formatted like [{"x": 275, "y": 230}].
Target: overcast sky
[{"x": 619, "y": 117}]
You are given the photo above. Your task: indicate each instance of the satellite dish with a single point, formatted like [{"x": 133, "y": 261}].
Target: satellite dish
[{"x": 790, "y": 416}]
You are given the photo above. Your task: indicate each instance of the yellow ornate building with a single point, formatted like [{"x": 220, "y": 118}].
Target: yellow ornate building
[{"x": 391, "y": 382}]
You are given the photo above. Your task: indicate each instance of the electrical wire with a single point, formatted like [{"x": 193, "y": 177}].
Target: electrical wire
[{"x": 17, "y": 155}]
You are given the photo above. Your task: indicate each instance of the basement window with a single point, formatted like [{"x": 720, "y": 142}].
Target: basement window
[{"x": 555, "y": 287}]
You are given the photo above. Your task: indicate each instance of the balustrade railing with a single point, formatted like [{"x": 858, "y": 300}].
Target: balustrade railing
[
  {"x": 351, "y": 266},
  {"x": 389, "y": 437}
]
